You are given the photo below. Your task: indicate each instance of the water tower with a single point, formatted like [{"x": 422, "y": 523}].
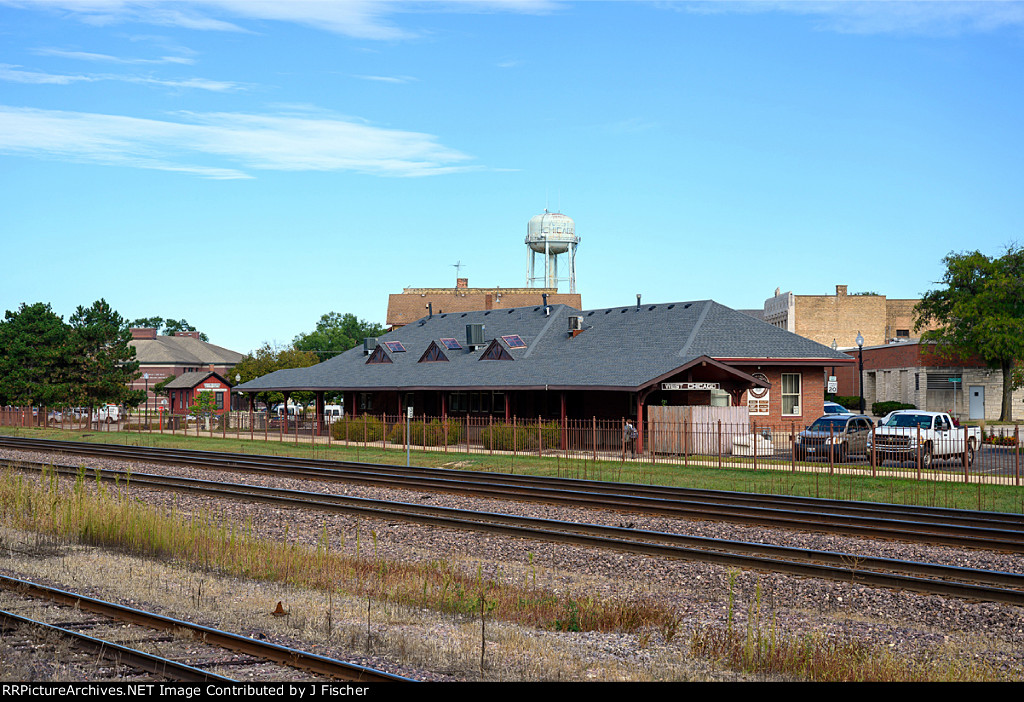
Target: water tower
[{"x": 551, "y": 234}]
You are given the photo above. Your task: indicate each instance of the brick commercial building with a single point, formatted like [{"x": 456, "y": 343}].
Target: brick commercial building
[
  {"x": 413, "y": 303},
  {"x": 840, "y": 317},
  {"x": 914, "y": 373},
  {"x": 160, "y": 357}
]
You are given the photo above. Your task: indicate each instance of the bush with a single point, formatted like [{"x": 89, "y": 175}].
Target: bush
[
  {"x": 506, "y": 437},
  {"x": 880, "y": 409},
  {"x": 850, "y": 402},
  {"x": 432, "y": 433},
  {"x": 362, "y": 428}
]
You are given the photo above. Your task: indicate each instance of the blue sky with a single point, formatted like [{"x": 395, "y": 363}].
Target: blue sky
[{"x": 250, "y": 166}]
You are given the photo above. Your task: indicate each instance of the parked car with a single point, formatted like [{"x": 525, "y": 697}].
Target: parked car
[
  {"x": 838, "y": 435},
  {"x": 912, "y": 435},
  {"x": 835, "y": 408},
  {"x": 55, "y": 417}
]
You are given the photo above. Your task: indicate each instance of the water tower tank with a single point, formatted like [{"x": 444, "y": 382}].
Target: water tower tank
[{"x": 551, "y": 234}]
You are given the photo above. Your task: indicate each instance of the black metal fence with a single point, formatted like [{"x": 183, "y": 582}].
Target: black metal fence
[{"x": 968, "y": 454}]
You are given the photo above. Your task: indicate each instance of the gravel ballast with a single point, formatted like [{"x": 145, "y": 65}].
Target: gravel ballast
[{"x": 701, "y": 594}]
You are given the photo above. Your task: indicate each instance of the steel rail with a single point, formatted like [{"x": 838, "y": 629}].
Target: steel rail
[
  {"x": 118, "y": 653},
  {"x": 350, "y": 470},
  {"x": 908, "y": 525},
  {"x": 284, "y": 655},
  {"x": 371, "y": 472},
  {"x": 956, "y": 581}
]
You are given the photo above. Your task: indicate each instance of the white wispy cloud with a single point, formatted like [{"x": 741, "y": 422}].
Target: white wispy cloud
[
  {"x": 364, "y": 19},
  {"x": 388, "y": 79},
  {"x": 16, "y": 74},
  {"x": 235, "y": 143},
  {"x": 928, "y": 17},
  {"x": 106, "y": 58}
]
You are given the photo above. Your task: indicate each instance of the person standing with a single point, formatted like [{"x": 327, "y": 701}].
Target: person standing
[{"x": 629, "y": 434}]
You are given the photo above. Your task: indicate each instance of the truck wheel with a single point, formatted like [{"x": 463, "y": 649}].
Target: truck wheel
[
  {"x": 109, "y": 420},
  {"x": 841, "y": 454},
  {"x": 970, "y": 453},
  {"x": 926, "y": 456}
]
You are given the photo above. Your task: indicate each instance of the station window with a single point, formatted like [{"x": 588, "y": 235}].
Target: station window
[{"x": 791, "y": 393}]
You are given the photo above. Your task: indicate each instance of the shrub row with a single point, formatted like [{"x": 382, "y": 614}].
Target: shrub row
[
  {"x": 850, "y": 402},
  {"x": 432, "y": 433},
  {"x": 883, "y": 408},
  {"x": 365, "y": 427},
  {"x": 506, "y": 437}
]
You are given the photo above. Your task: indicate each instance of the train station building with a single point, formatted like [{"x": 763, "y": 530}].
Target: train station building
[{"x": 557, "y": 362}]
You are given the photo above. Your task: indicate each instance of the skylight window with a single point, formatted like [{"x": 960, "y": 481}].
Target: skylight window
[
  {"x": 496, "y": 352},
  {"x": 379, "y": 355},
  {"x": 395, "y": 346},
  {"x": 514, "y": 341},
  {"x": 451, "y": 343},
  {"x": 433, "y": 354}
]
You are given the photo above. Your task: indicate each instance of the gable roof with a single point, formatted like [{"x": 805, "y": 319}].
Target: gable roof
[
  {"x": 618, "y": 348},
  {"x": 187, "y": 381},
  {"x": 182, "y": 350}
]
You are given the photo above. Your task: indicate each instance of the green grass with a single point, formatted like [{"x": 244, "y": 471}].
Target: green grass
[{"x": 780, "y": 481}]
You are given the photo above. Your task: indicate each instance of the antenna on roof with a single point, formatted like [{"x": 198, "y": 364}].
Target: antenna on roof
[{"x": 458, "y": 267}]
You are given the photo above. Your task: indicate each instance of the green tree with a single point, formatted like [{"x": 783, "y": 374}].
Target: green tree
[
  {"x": 34, "y": 357},
  {"x": 103, "y": 358},
  {"x": 268, "y": 359},
  {"x": 167, "y": 327},
  {"x": 336, "y": 333},
  {"x": 981, "y": 312},
  {"x": 204, "y": 406}
]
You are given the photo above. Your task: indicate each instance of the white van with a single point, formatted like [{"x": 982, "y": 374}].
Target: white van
[
  {"x": 332, "y": 413},
  {"x": 108, "y": 414}
]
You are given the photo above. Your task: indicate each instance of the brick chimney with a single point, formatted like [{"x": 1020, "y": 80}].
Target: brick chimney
[
  {"x": 840, "y": 290},
  {"x": 143, "y": 333},
  {"x": 193, "y": 334},
  {"x": 461, "y": 283}
]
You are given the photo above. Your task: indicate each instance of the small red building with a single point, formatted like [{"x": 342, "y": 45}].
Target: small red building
[{"x": 182, "y": 391}]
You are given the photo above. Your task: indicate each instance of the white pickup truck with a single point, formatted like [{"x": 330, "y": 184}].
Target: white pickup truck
[{"x": 916, "y": 436}]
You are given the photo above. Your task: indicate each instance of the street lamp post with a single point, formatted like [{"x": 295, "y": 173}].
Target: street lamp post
[
  {"x": 835, "y": 346},
  {"x": 860, "y": 364},
  {"x": 146, "y": 377}
]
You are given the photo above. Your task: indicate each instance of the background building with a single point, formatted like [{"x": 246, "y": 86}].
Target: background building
[
  {"x": 840, "y": 317},
  {"x": 413, "y": 303},
  {"x": 161, "y": 357},
  {"x": 916, "y": 374}
]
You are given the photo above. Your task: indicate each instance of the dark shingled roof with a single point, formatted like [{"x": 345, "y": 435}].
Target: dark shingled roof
[
  {"x": 619, "y": 348},
  {"x": 190, "y": 380}
]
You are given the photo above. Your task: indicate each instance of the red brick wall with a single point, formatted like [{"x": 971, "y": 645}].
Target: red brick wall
[{"x": 812, "y": 395}]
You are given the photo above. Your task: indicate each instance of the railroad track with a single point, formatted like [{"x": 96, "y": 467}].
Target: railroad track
[
  {"x": 204, "y": 647},
  {"x": 957, "y": 528},
  {"x": 976, "y": 584}
]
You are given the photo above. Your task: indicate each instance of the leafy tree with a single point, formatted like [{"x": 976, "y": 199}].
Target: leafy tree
[
  {"x": 204, "y": 406},
  {"x": 167, "y": 327},
  {"x": 103, "y": 358},
  {"x": 161, "y": 387},
  {"x": 268, "y": 359},
  {"x": 336, "y": 333},
  {"x": 34, "y": 357},
  {"x": 981, "y": 312}
]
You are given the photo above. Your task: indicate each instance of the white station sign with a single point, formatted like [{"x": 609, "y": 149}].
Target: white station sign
[{"x": 690, "y": 386}]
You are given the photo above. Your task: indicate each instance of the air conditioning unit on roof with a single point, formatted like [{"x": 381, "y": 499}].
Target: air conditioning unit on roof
[
  {"x": 575, "y": 323},
  {"x": 474, "y": 335}
]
